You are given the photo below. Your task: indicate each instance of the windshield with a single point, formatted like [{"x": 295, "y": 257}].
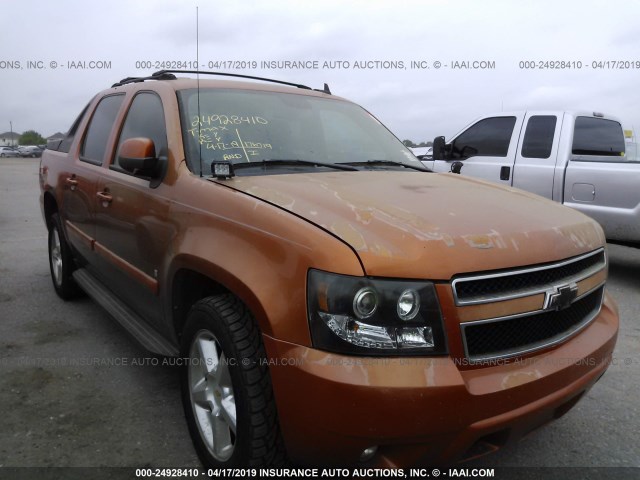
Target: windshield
[{"x": 242, "y": 126}]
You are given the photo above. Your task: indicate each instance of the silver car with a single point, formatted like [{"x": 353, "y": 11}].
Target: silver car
[
  {"x": 30, "y": 151},
  {"x": 8, "y": 152}
]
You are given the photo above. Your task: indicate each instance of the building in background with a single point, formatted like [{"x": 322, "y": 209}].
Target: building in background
[{"x": 9, "y": 139}]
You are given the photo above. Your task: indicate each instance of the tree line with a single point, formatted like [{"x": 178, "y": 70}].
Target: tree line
[{"x": 31, "y": 137}]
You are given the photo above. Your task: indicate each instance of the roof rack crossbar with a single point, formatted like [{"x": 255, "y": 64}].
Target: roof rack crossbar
[
  {"x": 124, "y": 81},
  {"x": 238, "y": 75}
]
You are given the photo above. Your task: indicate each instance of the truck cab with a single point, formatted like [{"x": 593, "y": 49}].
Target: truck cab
[{"x": 574, "y": 158}]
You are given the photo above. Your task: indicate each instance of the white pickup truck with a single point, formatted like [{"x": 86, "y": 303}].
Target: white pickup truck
[{"x": 575, "y": 158}]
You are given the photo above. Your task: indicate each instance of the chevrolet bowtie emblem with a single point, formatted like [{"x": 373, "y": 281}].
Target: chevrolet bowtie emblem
[{"x": 561, "y": 298}]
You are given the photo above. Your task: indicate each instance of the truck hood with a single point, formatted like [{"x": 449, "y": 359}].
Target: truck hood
[{"x": 428, "y": 225}]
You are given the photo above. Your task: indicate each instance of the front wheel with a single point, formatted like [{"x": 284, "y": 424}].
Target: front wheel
[{"x": 226, "y": 387}]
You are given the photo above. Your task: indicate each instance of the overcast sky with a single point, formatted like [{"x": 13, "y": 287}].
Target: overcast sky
[{"x": 415, "y": 103}]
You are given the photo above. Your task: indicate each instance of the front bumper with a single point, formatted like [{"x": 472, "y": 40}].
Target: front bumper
[{"x": 422, "y": 411}]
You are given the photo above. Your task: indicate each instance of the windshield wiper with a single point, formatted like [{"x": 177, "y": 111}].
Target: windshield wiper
[
  {"x": 281, "y": 161},
  {"x": 389, "y": 163}
]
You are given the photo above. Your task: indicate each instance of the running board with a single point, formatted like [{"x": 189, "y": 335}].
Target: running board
[{"x": 131, "y": 321}]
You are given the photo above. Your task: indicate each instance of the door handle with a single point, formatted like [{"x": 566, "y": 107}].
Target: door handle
[
  {"x": 72, "y": 182},
  {"x": 505, "y": 173},
  {"x": 105, "y": 198}
]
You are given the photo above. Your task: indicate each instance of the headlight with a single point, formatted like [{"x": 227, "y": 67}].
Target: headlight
[
  {"x": 408, "y": 304},
  {"x": 359, "y": 315},
  {"x": 365, "y": 302}
]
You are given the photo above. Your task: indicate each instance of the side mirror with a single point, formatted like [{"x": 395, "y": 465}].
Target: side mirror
[
  {"x": 439, "y": 148},
  {"x": 138, "y": 156},
  {"x": 456, "y": 167}
]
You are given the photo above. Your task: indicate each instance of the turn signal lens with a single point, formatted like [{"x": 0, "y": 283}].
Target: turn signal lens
[{"x": 415, "y": 337}]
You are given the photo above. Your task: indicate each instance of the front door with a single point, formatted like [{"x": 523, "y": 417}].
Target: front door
[
  {"x": 133, "y": 228},
  {"x": 486, "y": 149}
]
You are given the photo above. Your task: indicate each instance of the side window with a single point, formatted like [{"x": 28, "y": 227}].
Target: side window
[
  {"x": 597, "y": 136},
  {"x": 95, "y": 142},
  {"x": 65, "y": 144},
  {"x": 145, "y": 118},
  {"x": 487, "y": 138},
  {"x": 538, "y": 138}
]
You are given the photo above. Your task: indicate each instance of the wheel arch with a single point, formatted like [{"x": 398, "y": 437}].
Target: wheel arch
[
  {"x": 192, "y": 280},
  {"x": 50, "y": 208}
]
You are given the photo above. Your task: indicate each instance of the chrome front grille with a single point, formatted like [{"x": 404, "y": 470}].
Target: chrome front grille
[
  {"x": 517, "y": 335},
  {"x": 500, "y": 286},
  {"x": 569, "y": 296}
]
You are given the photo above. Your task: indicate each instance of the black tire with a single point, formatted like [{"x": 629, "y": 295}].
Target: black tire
[
  {"x": 222, "y": 321},
  {"x": 61, "y": 263},
  {"x": 2, "y": 155}
]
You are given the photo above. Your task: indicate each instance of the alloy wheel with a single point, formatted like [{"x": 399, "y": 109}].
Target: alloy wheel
[{"x": 212, "y": 397}]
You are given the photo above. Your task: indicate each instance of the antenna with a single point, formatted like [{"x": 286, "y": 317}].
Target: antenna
[{"x": 198, "y": 86}]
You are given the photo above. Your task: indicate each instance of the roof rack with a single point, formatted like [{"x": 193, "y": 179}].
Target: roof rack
[
  {"x": 169, "y": 75},
  {"x": 155, "y": 76}
]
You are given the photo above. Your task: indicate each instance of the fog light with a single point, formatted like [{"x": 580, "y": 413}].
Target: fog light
[{"x": 368, "y": 453}]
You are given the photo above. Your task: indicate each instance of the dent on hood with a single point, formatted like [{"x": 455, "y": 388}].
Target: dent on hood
[
  {"x": 364, "y": 213},
  {"x": 272, "y": 196},
  {"x": 580, "y": 235},
  {"x": 583, "y": 234}
]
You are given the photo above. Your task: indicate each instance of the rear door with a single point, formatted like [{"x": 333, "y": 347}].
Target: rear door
[
  {"x": 487, "y": 148},
  {"x": 537, "y": 154},
  {"x": 80, "y": 182},
  {"x": 600, "y": 181}
]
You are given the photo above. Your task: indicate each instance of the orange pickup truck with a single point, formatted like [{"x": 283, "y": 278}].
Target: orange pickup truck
[{"x": 330, "y": 300}]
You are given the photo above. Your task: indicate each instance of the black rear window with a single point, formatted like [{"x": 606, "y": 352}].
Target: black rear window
[
  {"x": 95, "y": 141},
  {"x": 597, "y": 136},
  {"x": 64, "y": 144},
  {"x": 538, "y": 138}
]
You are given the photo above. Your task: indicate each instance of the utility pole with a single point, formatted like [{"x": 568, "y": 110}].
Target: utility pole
[{"x": 11, "y": 136}]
